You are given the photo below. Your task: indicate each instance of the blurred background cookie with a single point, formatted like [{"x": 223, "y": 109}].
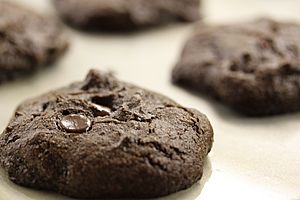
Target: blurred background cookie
[
  {"x": 253, "y": 66},
  {"x": 125, "y": 15},
  {"x": 28, "y": 41}
]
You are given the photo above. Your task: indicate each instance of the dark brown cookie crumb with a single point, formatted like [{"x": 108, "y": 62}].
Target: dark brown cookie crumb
[{"x": 103, "y": 138}]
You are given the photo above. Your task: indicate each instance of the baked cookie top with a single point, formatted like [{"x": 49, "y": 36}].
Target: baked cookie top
[
  {"x": 27, "y": 40},
  {"x": 125, "y": 15},
  {"x": 253, "y": 66},
  {"x": 104, "y": 138}
]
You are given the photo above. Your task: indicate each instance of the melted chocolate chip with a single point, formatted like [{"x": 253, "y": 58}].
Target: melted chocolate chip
[{"x": 75, "y": 123}]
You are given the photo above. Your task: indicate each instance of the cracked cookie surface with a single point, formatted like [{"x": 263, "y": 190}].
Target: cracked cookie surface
[
  {"x": 254, "y": 67},
  {"x": 104, "y": 138},
  {"x": 28, "y": 41},
  {"x": 125, "y": 15}
]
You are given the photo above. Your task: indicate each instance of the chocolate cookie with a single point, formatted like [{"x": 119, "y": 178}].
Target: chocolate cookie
[
  {"x": 125, "y": 15},
  {"x": 254, "y": 67},
  {"x": 103, "y": 138},
  {"x": 27, "y": 41}
]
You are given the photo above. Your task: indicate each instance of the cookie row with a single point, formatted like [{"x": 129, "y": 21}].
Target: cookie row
[{"x": 104, "y": 138}]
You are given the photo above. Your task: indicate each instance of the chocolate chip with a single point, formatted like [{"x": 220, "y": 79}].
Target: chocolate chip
[{"x": 75, "y": 123}]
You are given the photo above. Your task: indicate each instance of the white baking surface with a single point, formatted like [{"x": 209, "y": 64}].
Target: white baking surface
[{"x": 252, "y": 158}]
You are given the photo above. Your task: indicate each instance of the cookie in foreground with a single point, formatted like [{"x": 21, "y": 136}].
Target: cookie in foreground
[
  {"x": 104, "y": 138},
  {"x": 28, "y": 41},
  {"x": 254, "y": 67},
  {"x": 120, "y": 15}
]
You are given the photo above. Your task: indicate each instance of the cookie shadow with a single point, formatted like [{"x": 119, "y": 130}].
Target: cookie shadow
[
  {"x": 227, "y": 114},
  {"x": 234, "y": 117},
  {"x": 27, "y": 193},
  {"x": 128, "y": 33}
]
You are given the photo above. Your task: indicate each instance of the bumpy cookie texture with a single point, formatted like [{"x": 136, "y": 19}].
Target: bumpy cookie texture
[
  {"x": 103, "y": 138},
  {"x": 27, "y": 41},
  {"x": 254, "y": 67},
  {"x": 125, "y": 15}
]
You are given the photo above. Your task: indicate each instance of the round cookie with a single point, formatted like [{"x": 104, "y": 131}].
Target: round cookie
[
  {"x": 125, "y": 15},
  {"x": 27, "y": 41},
  {"x": 254, "y": 66},
  {"x": 103, "y": 138}
]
